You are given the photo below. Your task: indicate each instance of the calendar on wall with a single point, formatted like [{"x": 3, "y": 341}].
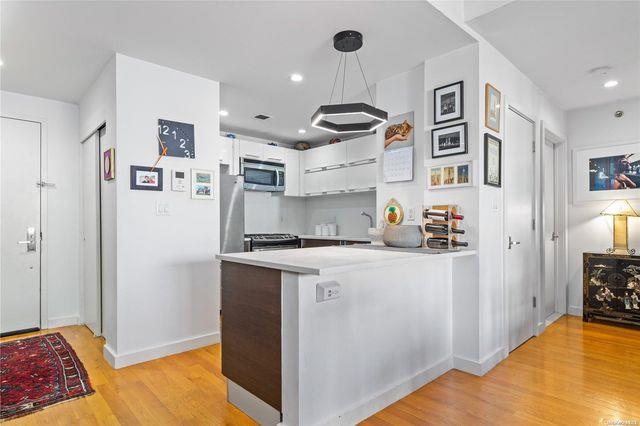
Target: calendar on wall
[{"x": 398, "y": 165}]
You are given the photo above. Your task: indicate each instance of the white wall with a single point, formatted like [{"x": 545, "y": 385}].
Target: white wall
[
  {"x": 342, "y": 209},
  {"x": 168, "y": 289},
  {"x": 98, "y": 107},
  {"x": 61, "y": 160},
  {"x": 588, "y": 231},
  {"x": 397, "y": 95},
  {"x": 266, "y": 212}
]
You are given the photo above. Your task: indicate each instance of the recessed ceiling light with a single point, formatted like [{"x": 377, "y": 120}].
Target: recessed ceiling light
[
  {"x": 611, "y": 83},
  {"x": 302, "y": 131},
  {"x": 223, "y": 112},
  {"x": 296, "y": 77}
]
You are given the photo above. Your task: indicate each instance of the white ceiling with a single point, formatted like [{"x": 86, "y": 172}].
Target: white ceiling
[
  {"x": 56, "y": 49},
  {"x": 555, "y": 43}
]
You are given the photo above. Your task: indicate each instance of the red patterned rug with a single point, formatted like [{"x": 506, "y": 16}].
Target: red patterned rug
[{"x": 37, "y": 372}]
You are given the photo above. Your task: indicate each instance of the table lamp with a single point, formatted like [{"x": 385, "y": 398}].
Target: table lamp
[{"x": 620, "y": 210}]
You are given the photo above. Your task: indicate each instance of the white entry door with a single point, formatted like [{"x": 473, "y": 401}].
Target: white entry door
[
  {"x": 519, "y": 211},
  {"x": 550, "y": 234},
  {"x": 20, "y": 226},
  {"x": 91, "y": 270}
]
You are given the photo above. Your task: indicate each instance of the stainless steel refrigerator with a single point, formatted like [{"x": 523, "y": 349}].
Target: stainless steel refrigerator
[{"x": 231, "y": 214}]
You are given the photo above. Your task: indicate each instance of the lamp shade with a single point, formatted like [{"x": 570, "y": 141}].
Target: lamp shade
[{"x": 619, "y": 208}]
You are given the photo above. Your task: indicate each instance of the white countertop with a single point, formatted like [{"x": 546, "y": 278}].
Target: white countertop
[
  {"x": 332, "y": 260},
  {"x": 360, "y": 239}
]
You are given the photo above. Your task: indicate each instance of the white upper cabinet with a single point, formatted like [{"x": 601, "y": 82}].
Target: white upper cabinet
[
  {"x": 326, "y": 156},
  {"x": 362, "y": 177},
  {"x": 292, "y": 175},
  {"x": 313, "y": 183},
  {"x": 361, "y": 150},
  {"x": 249, "y": 149},
  {"x": 274, "y": 153},
  {"x": 225, "y": 154}
]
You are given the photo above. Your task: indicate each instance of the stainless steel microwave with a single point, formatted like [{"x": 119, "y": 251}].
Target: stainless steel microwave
[{"x": 262, "y": 175}]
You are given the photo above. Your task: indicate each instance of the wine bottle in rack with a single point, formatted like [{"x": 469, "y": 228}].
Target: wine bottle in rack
[
  {"x": 443, "y": 243},
  {"x": 441, "y": 215},
  {"x": 441, "y": 229}
]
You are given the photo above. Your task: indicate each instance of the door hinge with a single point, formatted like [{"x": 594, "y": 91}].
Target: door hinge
[
  {"x": 533, "y": 146},
  {"x": 40, "y": 235},
  {"x": 534, "y": 301},
  {"x": 533, "y": 224}
]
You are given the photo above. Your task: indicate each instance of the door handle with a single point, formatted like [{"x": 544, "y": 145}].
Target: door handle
[
  {"x": 512, "y": 243},
  {"x": 31, "y": 239},
  {"x": 554, "y": 236}
]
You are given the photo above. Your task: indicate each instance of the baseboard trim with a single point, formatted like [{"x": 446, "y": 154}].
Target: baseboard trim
[
  {"x": 63, "y": 321},
  {"x": 482, "y": 367},
  {"x": 368, "y": 408},
  {"x": 117, "y": 360},
  {"x": 576, "y": 311}
]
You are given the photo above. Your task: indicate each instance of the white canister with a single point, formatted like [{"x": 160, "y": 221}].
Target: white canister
[
  {"x": 333, "y": 229},
  {"x": 318, "y": 230},
  {"x": 325, "y": 230}
]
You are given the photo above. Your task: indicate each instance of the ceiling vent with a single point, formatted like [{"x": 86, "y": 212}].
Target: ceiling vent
[{"x": 262, "y": 117}]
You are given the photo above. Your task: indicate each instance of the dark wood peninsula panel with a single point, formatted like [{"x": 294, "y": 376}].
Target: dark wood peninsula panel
[{"x": 251, "y": 330}]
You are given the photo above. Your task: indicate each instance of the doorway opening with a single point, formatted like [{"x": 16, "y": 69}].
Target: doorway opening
[
  {"x": 91, "y": 233},
  {"x": 554, "y": 230}
]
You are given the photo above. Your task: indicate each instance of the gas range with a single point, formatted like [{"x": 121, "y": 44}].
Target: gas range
[{"x": 264, "y": 242}]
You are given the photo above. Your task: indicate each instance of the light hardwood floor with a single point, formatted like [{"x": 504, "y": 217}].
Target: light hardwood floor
[{"x": 574, "y": 373}]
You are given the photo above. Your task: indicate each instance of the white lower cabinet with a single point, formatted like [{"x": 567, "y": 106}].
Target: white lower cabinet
[{"x": 362, "y": 177}]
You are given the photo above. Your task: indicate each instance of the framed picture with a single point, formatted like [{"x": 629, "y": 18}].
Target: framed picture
[
  {"x": 607, "y": 173},
  {"x": 450, "y": 140},
  {"x": 449, "y": 176},
  {"x": 146, "y": 178},
  {"x": 492, "y": 160},
  {"x": 448, "y": 103},
  {"x": 399, "y": 132},
  {"x": 201, "y": 184},
  {"x": 109, "y": 164},
  {"x": 492, "y": 107}
]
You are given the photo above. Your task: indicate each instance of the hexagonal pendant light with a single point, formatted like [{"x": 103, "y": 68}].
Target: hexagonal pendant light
[{"x": 354, "y": 117}]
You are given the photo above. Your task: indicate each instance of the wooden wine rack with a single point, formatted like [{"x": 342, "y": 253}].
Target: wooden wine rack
[{"x": 446, "y": 223}]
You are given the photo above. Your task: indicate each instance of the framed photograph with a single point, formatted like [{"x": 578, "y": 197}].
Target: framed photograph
[
  {"x": 607, "y": 173},
  {"x": 201, "y": 184},
  {"x": 145, "y": 178},
  {"x": 450, "y": 140},
  {"x": 492, "y": 161},
  {"x": 492, "y": 107},
  {"x": 399, "y": 132},
  {"x": 449, "y": 176},
  {"x": 448, "y": 103},
  {"x": 109, "y": 164}
]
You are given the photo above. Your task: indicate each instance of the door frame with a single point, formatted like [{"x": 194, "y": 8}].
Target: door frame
[
  {"x": 82, "y": 320},
  {"x": 558, "y": 141},
  {"x": 537, "y": 288},
  {"x": 44, "y": 212}
]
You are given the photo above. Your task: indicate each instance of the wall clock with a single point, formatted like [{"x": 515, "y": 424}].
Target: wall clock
[{"x": 177, "y": 138}]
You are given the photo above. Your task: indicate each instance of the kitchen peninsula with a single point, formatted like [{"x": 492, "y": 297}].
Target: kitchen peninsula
[{"x": 331, "y": 335}]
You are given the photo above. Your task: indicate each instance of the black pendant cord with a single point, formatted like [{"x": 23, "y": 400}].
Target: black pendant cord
[
  {"x": 335, "y": 80},
  {"x": 344, "y": 74},
  {"x": 365, "y": 80}
]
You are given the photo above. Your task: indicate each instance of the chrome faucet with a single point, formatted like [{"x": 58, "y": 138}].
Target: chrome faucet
[{"x": 362, "y": 213}]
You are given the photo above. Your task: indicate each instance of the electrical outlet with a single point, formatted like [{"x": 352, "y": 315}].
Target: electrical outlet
[
  {"x": 327, "y": 291},
  {"x": 162, "y": 209},
  {"x": 411, "y": 215}
]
